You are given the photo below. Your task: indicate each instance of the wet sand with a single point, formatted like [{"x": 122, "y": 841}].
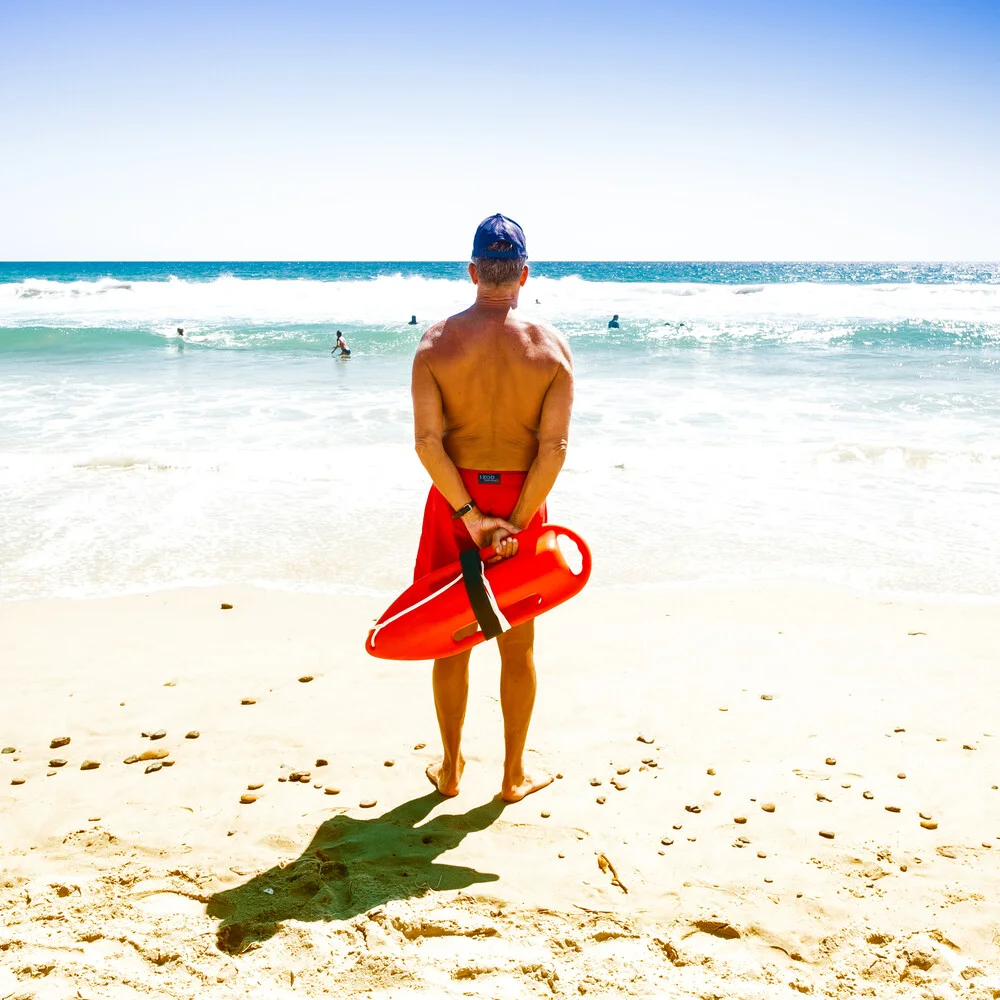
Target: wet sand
[{"x": 762, "y": 793}]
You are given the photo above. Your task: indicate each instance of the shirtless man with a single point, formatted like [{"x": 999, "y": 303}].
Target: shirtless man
[{"x": 492, "y": 396}]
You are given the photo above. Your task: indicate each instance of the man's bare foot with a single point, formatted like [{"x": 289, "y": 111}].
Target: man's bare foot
[
  {"x": 514, "y": 791},
  {"x": 446, "y": 779}
]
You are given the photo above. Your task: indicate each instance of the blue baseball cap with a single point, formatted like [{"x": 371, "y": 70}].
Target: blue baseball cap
[{"x": 499, "y": 227}]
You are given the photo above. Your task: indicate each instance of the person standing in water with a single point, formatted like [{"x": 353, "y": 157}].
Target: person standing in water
[
  {"x": 492, "y": 398},
  {"x": 345, "y": 351},
  {"x": 613, "y": 322}
]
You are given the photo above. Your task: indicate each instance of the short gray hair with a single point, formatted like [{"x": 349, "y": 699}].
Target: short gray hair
[{"x": 498, "y": 271}]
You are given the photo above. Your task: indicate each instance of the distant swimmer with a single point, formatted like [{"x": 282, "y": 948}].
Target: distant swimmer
[
  {"x": 613, "y": 322},
  {"x": 180, "y": 331},
  {"x": 413, "y": 321},
  {"x": 345, "y": 351}
]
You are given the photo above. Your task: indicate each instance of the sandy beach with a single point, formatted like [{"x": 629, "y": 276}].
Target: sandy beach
[{"x": 759, "y": 793}]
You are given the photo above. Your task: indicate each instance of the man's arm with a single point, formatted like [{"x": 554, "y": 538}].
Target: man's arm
[
  {"x": 428, "y": 433},
  {"x": 553, "y": 438}
]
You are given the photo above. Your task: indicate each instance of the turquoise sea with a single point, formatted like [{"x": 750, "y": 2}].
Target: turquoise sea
[{"x": 748, "y": 422}]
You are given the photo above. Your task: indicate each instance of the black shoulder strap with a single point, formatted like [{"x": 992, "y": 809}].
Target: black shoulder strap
[{"x": 472, "y": 576}]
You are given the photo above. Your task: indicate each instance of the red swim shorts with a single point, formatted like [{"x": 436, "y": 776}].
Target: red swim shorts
[{"x": 442, "y": 539}]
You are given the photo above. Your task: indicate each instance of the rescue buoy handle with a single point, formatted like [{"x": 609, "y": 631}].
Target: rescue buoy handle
[{"x": 533, "y": 533}]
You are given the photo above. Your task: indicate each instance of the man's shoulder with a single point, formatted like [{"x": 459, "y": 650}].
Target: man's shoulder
[{"x": 546, "y": 337}]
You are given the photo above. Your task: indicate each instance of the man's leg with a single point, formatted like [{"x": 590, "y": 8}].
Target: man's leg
[
  {"x": 451, "y": 693},
  {"x": 517, "y": 699}
]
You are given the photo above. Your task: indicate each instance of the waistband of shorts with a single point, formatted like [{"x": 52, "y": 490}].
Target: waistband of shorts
[{"x": 488, "y": 477}]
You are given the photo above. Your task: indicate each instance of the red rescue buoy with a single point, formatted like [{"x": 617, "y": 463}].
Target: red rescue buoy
[{"x": 459, "y": 606}]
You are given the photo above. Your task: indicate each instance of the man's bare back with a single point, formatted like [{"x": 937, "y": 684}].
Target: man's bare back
[{"x": 493, "y": 370}]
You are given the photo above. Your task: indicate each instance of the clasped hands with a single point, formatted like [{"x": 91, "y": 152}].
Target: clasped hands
[{"x": 495, "y": 531}]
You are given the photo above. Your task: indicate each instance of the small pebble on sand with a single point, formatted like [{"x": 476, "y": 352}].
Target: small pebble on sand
[
  {"x": 769, "y": 880},
  {"x": 601, "y": 800},
  {"x": 902, "y": 868},
  {"x": 928, "y": 824},
  {"x": 388, "y": 763},
  {"x": 248, "y": 701},
  {"x": 831, "y": 761},
  {"x": 545, "y": 815},
  {"x": 692, "y": 839},
  {"x": 225, "y": 607},
  {"x": 666, "y": 841},
  {"x": 9, "y": 750},
  {"x": 169, "y": 763},
  {"x": 246, "y": 798},
  {"x": 901, "y": 775},
  {"x": 158, "y": 735},
  {"x": 899, "y": 729},
  {"x": 93, "y": 819},
  {"x": 692, "y": 809},
  {"x": 255, "y": 786},
  {"x": 892, "y": 809},
  {"x": 17, "y": 781},
  {"x": 924, "y": 815},
  {"x": 559, "y": 776},
  {"x": 318, "y": 784},
  {"x": 90, "y": 765},
  {"x": 48, "y": 774},
  {"x": 282, "y": 778},
  {"x": 154, "y": 766},
  {"x": 766, "y": 697},
  {"x": 620, "y": 785},
  {"x": 717, "y": 792},
  {"x": 739, "y": 819},
  {"x": 305, "y": 678},
  {"x": 368, "y": 803},
  {"x": 761, "y": 854},
  {"x": 987, "y": 845},
  {"x": 644, "y": 739},
  {"x": 560, "y": 855},
  {"x": 678, "y": 826},
  {"x": 624, "y": 770},
  {"x": 595, "y": 781},
  {"x": 768, "y": 807},
  {"x": 59, "y": 741},
  {"x": 828, "y": 834},
  {"x": 723, "y": 709},
  {"x": 868, "y": 795},
  {"x": 321, "y": 762},
  {"x": 331, "y": 790},
  {"x": 711, "y": 772},
  {"x": 419, "y": 746},
  {"x": 192, "y": 735},
  {"x": 57, "y": 762}
]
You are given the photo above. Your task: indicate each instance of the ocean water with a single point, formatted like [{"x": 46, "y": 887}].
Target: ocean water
[{"x": 748, "y": 423}]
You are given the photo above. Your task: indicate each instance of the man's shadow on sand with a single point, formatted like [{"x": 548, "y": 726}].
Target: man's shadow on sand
[{"x": 351, "y": 866}]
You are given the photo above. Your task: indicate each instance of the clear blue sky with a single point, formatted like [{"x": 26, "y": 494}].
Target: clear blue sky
[{"x": 384, "y": 130}]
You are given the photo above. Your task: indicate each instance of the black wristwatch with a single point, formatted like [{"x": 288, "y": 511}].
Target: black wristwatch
[{"x": 462, "y": 511}]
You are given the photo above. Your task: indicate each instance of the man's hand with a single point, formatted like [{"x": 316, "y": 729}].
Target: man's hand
[{"x": 493, "y": 531}]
